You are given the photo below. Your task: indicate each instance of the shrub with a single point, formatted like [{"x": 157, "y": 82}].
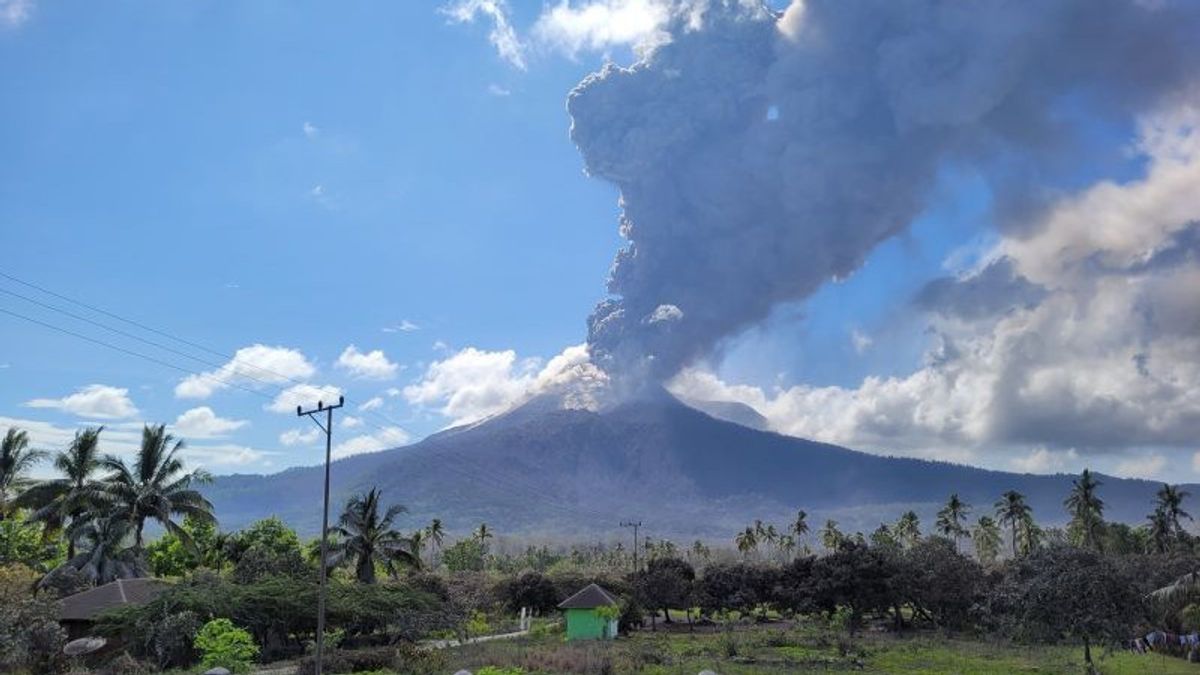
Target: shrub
[
  {"x": 496, "y": 670},
  {"x": 30, "y": 636},
  {"x": 402, "y": 658},
  {"x": 532, "y": 590},
  {"x": 222, "y": 644}
]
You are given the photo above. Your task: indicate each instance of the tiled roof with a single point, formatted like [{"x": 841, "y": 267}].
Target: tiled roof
[{"x": 591, "y": 596}]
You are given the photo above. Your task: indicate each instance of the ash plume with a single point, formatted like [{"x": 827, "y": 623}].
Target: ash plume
[{"x": 759, "y": 155}]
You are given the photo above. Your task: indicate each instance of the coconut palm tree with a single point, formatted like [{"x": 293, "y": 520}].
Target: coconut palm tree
[
  {"x": 986, "y": 535},
  {"x": 908, "y": 529},
  {"x": 1170, "y": 501},
  {"x": 950, "y": 519},
  {"x": 105, "y": 551},
  {"x": 1013, "y": 511},
  {"x": 482, "y": 534},
  {"x": 66, "y": 499},
  {"x": 437, "y": 533},
  {"x": 369, "y": 537},
  {"x": 787, "y": 546},
  {"x": 1086, "y": 509},
  {"x": 831, "y": 537},
  {"x": 1160, "y": 530},
  {"x": 800, "y": 527},
  {"x": 746, "y": 541},
  {"x": 156, "y": 486},
  {"x": 16, "y": 459}
]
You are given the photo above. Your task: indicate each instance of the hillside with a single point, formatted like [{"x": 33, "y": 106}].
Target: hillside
[{"x": 540, "y": 470}]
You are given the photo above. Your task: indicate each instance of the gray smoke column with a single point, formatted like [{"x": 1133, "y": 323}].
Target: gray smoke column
[{"x": 759, "y": 155}]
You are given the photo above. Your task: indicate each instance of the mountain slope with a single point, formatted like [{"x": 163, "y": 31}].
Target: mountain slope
[{"x": 575, "y": 473}]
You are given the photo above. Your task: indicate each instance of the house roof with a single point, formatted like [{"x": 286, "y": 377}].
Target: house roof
[
  {"x": 86, "y": 605},
  {"x": 591, "y": 596}
]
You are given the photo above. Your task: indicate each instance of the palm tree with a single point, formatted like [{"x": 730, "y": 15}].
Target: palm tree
[
  {"x": 106, "y": 554},
  {"x": 482, "y": 534},
  {"x": 831, "y": 537},
  {"x": 1086, "y": 509},
  {"x": 1170, "y": 501},
  {"x": 699, "y": 550},
  {"x": 987, "y": 540},
  {"x": 16, "y": 459},
  {"x": 1013, "y": 511},
  {"x": 908, "y": 529},
  {"x": 787, "y": 545},
  {"x": 370, "y": 537},
  {"x": 155, "y": 487},
  {"x": 436, "y": 532},
  {"x": 746, "y": 541},
  {"x": 950, "y": 518},
  {"x": 800, "y": 527},
  {"x": 57, "y": 501},
  {"x": 1160, "y": 530}
]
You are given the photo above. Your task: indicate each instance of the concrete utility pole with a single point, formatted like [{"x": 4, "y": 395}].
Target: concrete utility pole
[
  {"x": 635, "y": 526},
  {"x": 328, "y": 429}
]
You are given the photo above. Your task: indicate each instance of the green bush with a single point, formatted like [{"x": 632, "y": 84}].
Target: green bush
[
  {"x": 496, "y": 670},
  {"x": 222, "y": 644},
  {"x": 399, "y": 658}
]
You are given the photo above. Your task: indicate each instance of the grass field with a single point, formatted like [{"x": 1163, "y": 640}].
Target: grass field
[{"x": 787, "y": 649}]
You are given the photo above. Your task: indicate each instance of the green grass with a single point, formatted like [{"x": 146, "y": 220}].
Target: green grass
[{"x": 791, "y": 649}]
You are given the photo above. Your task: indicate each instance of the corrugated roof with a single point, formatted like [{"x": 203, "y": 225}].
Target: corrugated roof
[
  {"x": 86, "y": 605},
  {"x": 591, "y": 596}
]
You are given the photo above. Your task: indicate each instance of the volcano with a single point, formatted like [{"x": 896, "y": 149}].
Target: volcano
[{"x": 540, "y": 470}]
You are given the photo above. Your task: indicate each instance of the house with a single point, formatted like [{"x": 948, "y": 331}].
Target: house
[
  {"x": 589, "y": 614},
  {"x": 79, "y": 611}
]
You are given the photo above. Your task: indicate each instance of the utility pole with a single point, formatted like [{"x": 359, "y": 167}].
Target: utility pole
[
  {"x": 635, "y": 526},
  {"x": 328, "y": 429}
]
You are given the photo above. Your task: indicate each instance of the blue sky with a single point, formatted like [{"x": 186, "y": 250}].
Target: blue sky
[{"x": 311, "y": 176}]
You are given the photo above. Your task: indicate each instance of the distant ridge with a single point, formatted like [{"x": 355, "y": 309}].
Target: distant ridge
[{"x": 541, "y": 470}]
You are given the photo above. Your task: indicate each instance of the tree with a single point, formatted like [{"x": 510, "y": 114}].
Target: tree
[
  {"x": 168, "y": 557},
  {"x": 370, "y": 537},
  {"x": 61, "y": 500},
  {"x": 951, "y": 518},
  {"x": 746, "y": 541},
  {"x": 1087, "y": 511},
  {"x": 1013, "y": 511},
  {"x": 22, "y": 541},
  {"x": 1170, "y": 501},
  {"x": 908, "y": 529},
  {"x": 882, "y": 537},
  {"x": 464, "y": 555},
  {"x": 831, "y": 537},
  {"x": 856, "y": 577},
  {"x": 482, "y": 533},
  {"x": 105, "y": 552},
  {"x": 666, "y": 583},
  {"x": 532, "y": 590},
  {"x": 155, "y": 487},
  {"x": 16, "y": 459},
  {"x": 436, "y": 533},
  {"x": 800, "y": 526},
  {"x": 940, "y": 583},
  {"x": 986, "y": 535}
]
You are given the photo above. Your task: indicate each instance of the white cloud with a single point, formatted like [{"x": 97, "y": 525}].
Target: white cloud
[
  {"x": 665, "y": 314},
  {"x": 371, "y": 404},
  {"x": 393, "y": 391},
  {"x": 95, "y": 401},
  {"x": 405, "y": 326},
  {"x": 202, "y": 422},
  {"x": 373, "y": 365},
  {"x": 599, "y": 25},
  {"x": 1149, "y": 467},
  {"x": 497, "y": 90},
  {"x": 388, "y": 437},
  {"x": 860, "y": 340},
  {"x": 473, "y": 384},
  {"x": 13, "y": 13},
  {"x": 502, "y": 36},
  {"x": 209, "y": 456},
  {"x": 350, "y": 421},
  {"x": 304, "y": 395},
  {"x": 297, "y": 437},
  {"x": 310, "y": 130},
  {"x": 1045, "y": 460},
  {"x": 252, "y": 366}
]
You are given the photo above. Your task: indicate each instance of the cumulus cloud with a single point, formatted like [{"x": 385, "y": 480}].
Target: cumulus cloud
[
  {"x": 502, "y": 36},
  {"x": 760, "y": 155},
  {"x": 372, "y": 365},
  {"x": 227, "y": 455},
  {"x": 96, "y": 401},
  {"x": 371, "y": 404},
  {"x": 388, "y": 437},
  {"x": 202, "y": 422},
  {"x": 350, "y": 422},
  {"x": 13, "y": 13},
  {"x": 1045, "y": 460},
  {"x": 599, "y": 25},
  {"x": 304, "y": 395},
  {"x": 253, "y": 366},
  {"x": 297, "y": 437},
  {"x": 473, "y": 384}
]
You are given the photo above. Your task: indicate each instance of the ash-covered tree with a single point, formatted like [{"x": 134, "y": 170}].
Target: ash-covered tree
[
  {"x": 940, "y": 583},
  {"x": 1071, "y": 594},
  {"x": 1087, "y": 512},
  {"x": 986, "y": 536},
  {"x": 1014, "y": 512},
  {"x": 667, "y": 583},
  {"x": 951, "y": 519},
  {"x": 908, "y": 529},
  {"x": 532, "y": 590},
  {"x": 857, "y": 577}
]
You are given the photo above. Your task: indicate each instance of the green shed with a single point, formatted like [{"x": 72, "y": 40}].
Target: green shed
[{"x": 584, "y": 620}]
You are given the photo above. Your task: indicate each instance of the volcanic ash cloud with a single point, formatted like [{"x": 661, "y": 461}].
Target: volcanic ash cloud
[{"x": 759, "y": 155}]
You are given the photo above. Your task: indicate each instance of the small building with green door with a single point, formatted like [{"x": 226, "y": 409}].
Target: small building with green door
[{"x": 589, "y": 614}]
